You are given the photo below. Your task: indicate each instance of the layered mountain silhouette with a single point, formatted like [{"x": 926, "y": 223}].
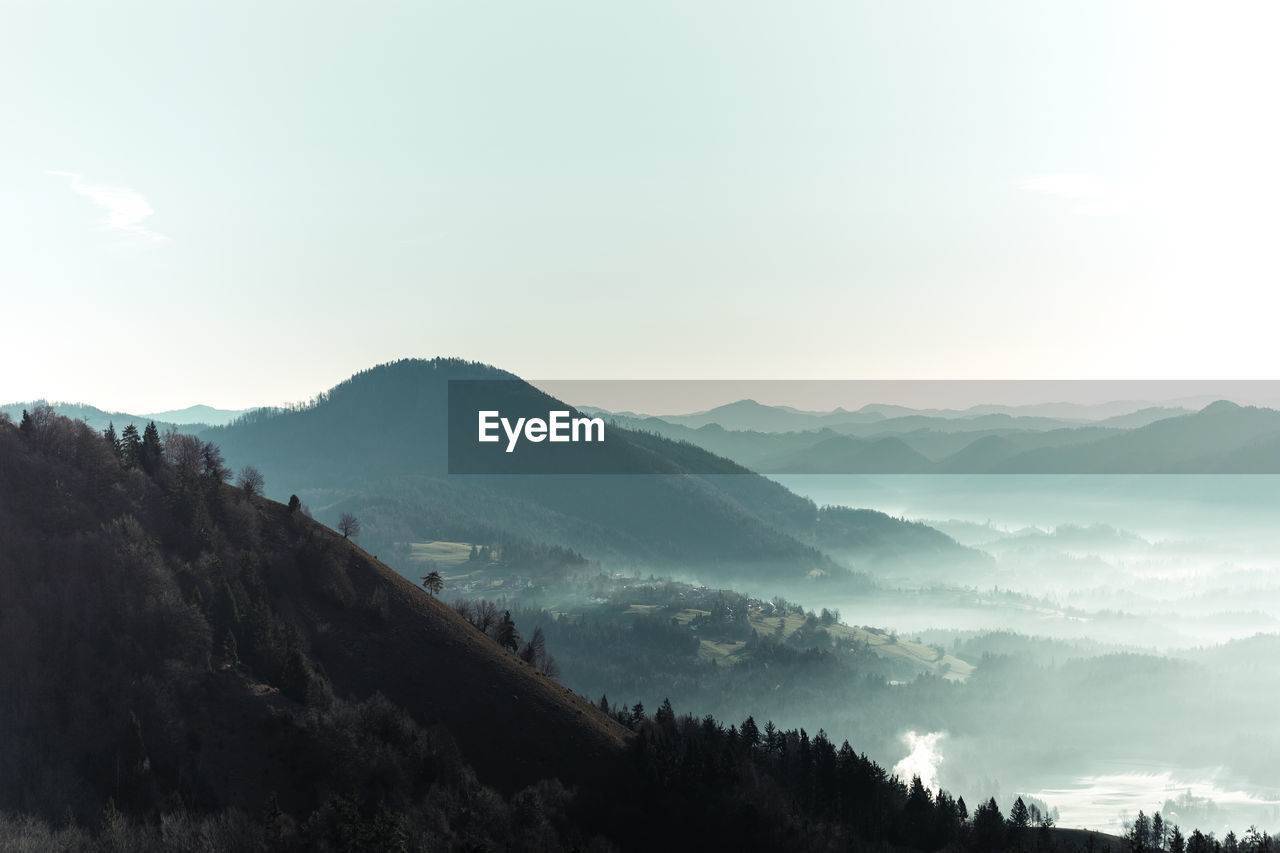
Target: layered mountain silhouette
[
  {"x": 752, "y": 416},
  {"x": 187, "y": 419},
  {"x": 378, "y": 445},
  {"x": 1198, "y": 443},
  {"x": 1222, "y": 438}
]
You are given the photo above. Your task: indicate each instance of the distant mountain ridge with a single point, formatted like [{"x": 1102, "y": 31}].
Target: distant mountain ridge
[
  {"x": 750, "y": 415},
  {"x": 1222, "y": 438},
  {"x": 1199, "y": 443},
  {"x": 98, "y": 419},
  {"x": 198, "y": 414}
]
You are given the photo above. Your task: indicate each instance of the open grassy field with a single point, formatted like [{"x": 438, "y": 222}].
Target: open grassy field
[
  {"x": 882, "y": 644},
  {"x": 684, "y": 617},
  {"x": 448, "y": 555},
  {"x": 948, "y": 666}
]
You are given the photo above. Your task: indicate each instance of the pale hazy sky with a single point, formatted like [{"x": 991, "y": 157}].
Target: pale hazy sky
[{"x": 243, "y": 203}]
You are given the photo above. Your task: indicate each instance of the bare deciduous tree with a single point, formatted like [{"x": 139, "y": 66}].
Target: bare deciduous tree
[
  {"x": 250, "y": 480},
  {"x": 486, "y": 616},
  {"x": 348, "y": 525}
]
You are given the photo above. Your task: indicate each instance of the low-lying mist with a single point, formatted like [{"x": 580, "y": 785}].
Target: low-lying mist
[{"x": 1123, "y": 632}]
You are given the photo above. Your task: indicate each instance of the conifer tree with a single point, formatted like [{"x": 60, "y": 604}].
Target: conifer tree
[
  {"x": 507, "y": 636},
  {"x": 130, "y": 446},
  {"x": 152, "y": 449},
  {"x": 1019, "y": 817},
  {"x": 1140, "y": 835},
  {"x": 113, "y": 440},
  {"x": 213, "y": 468},
  {"x": 230, "y": 650},
  {"x": 988, "y": 826}
]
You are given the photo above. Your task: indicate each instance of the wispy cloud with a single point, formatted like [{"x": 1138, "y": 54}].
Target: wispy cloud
[
  {"x": 1093, "y": 196},
  {"x": 126, "y": 207}
]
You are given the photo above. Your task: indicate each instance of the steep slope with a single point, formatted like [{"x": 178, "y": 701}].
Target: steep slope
[
  {"x": 165, "y": 637},
  {"x": 372, "y": 631}
]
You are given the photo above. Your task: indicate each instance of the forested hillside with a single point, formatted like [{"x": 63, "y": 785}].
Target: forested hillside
[{"x": 377, "y": 445}]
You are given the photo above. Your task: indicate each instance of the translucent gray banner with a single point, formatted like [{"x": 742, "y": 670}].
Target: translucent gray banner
[{"x": 865, "y": 427}]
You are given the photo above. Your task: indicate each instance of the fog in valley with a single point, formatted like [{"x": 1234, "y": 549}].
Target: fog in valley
[{"x": 1123, "y": 630}]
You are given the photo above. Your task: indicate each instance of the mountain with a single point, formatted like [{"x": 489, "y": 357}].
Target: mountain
[
  {"x": 1143, "y": 417},
  {"x": 830, "y": 451},
  {"x": 91, "y": 415},
  {"x": 749, "y": 448},
  {"x": 1223, "y": 437},
  {"x": 99, "y": 419},
  {"x": 981, "y": 455},
  {"x": 757, "y": 417},
  {"x": 843, "y": 454},
  {"x": 877, "y": 418},
  {"x": 977, "y": 423},
  {"x": 197, "y": 415},
  {"x": 377, "y": 445}
]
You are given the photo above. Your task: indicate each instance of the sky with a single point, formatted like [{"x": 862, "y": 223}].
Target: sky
[{"x": 241, "y": 204}]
